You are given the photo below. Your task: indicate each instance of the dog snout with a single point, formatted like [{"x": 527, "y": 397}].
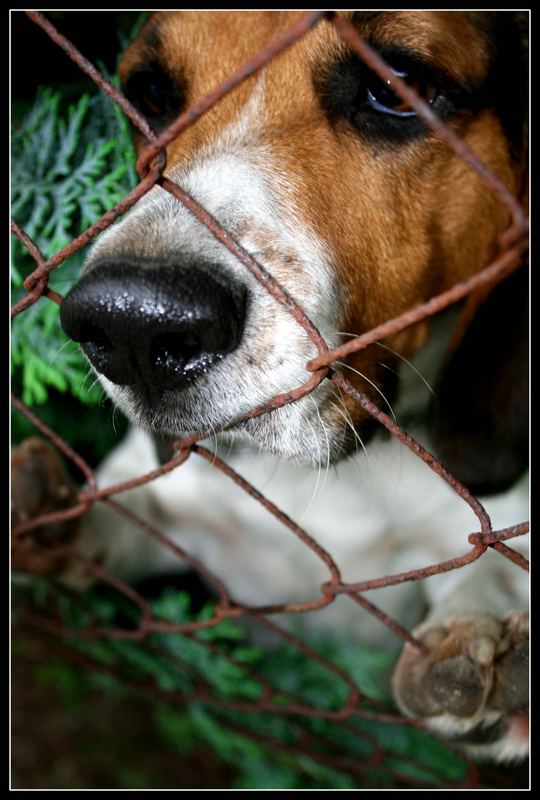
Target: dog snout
[{"x": 152, "y": 326}]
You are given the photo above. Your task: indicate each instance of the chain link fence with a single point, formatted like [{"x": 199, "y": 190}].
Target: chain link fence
[{"x": 27, "y": 536}]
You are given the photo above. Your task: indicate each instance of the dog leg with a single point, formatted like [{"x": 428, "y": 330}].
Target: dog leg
[{"x": 41, "y": 484}]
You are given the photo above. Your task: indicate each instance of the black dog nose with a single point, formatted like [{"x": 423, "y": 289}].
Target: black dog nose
[{"x": 154, "y": 326}]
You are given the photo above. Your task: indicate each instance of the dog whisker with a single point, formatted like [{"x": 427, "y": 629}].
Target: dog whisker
[
  {"x": 357, "y": 436},
  {"x": 315, "y": 491},
  {"x": 369, "y": 463},
  {"x": 325, "y": 431},
  {"x": 96, "y": 381},
  {"x": 113, "y": 419},
  {"x": 59, "y": 350},
  {"x": 409, "y": 364},
  {"x": 395, "y": 353},
  {"x": 87, "y": 377},
  {"x": 388, "y": 367},
  {"x": 347, "y": 366}
]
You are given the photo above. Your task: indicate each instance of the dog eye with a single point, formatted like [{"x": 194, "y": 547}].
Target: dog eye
[
  {"x": 381, "y": 97},
  {"x": 349, "y": 92},
  {"x": 148, "y": 93},
  {"x": 154, "y": 94},
  {"x": 152, "y": 97}
]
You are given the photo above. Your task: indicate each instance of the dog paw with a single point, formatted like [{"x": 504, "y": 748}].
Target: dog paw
[
  {"x": 40, "y": 484},
  {"x": 470, "y": 685}
]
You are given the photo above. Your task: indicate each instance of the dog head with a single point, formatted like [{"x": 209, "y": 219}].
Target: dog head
[{"x": 330, "y": 181}]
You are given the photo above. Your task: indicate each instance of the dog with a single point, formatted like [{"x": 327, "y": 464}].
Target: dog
[{"x": 331, "y": 181}]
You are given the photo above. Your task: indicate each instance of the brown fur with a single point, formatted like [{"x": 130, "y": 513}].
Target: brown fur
[{"x": 404, "y": 222}]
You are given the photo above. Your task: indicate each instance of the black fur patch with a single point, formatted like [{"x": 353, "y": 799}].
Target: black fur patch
[
  {"x": 483, "y": 734},
  {"x": 480, "y": 416},
  {"x": 506, "y": 88}
]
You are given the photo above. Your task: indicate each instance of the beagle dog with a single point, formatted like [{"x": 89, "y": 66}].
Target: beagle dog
[{"x": 332, "y": 182}]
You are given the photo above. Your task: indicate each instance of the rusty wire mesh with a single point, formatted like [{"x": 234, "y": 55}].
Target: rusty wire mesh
[{"x": 150, "y": 167}]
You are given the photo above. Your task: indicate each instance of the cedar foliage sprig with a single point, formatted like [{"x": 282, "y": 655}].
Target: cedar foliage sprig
[{"x": 69, "y": 166}]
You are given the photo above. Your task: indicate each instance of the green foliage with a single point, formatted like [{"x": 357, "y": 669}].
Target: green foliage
[
  {"x": 69, "y": 166},
  {"x": 264, "y": 750}
]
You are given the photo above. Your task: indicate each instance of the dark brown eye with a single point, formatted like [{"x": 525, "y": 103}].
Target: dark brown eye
[
  {"x": 154, "y": 93},
  {"x": 381, "y": 96},
  {"x": 351, "y": 94},
  {"x": 149, "y": 92},
  {"x": 153, "y": 97}
]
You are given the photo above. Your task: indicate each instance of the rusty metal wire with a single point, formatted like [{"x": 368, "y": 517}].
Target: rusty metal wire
[{"x": 151, "y": 165}]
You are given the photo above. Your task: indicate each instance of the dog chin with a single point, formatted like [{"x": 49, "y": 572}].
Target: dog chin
[{"x": 295, "y": 432}]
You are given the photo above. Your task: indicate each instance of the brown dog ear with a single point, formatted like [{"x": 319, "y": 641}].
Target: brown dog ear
[{"x": 480, "y": 413}]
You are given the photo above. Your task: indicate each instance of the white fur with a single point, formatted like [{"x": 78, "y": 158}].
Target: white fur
[{"x": 375, "y": 518}]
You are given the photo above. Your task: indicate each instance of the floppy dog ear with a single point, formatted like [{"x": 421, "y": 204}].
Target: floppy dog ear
[{"x": 480, "y": 413}]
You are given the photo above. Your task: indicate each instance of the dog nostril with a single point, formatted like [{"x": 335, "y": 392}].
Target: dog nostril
[
  {"x": 91, "y": 334},
  {"x": 95, "y": 343},
  {"x": 172, "y": 351}
]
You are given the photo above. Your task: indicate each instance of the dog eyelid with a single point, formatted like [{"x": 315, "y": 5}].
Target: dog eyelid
[
  {"x": 383, "y": 98},
  {"x": 374, "y": 103}
]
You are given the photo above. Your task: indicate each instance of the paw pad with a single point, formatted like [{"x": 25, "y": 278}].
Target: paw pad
[{"x": 474, "y": 676}]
